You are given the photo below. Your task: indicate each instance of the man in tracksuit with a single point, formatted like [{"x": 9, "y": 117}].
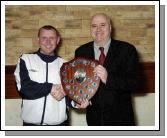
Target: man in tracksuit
[{"x": 38, "y": 80}]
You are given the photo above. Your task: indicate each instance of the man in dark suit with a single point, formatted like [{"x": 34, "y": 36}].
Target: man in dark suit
[{"x": 120, "y": 75}]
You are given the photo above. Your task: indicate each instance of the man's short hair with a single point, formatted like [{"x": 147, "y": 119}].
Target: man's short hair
[{"x": 48, "y": 27}]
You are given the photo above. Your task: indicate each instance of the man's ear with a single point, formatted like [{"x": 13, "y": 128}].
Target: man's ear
[
  {"x": 110, "y": 28},
  {"x": 58, "y": 40},
  {"x": 37, "y": 41}
]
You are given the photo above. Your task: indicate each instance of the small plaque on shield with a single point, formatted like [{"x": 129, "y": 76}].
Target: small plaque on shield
[{"x": 78, "y": 79}]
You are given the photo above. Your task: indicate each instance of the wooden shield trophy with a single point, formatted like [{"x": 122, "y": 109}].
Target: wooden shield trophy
[{"x": 78, "y": 79}]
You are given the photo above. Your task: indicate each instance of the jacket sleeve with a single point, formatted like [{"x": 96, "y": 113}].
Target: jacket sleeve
[
  {"x": 29, "y": 89},
  {"x": 130, "y": 77}
]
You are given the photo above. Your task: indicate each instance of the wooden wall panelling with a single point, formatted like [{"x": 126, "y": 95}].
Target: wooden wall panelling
[
  {"x": 12, "y": 93},
  {"x": 10, "y": 85}
]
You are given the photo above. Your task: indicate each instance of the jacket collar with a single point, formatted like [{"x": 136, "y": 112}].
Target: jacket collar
[{"x": 46, "y": 58}]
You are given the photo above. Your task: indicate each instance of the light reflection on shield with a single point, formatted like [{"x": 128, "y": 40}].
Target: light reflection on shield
[{"x": 80, "y": 75}]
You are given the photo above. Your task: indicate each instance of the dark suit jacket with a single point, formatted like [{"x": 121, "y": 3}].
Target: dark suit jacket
[{"x": 112, "y": 103}]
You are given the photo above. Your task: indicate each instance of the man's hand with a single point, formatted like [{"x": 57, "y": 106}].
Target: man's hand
[
  {"x": 101, "y": 72},
  {"x": 83, "y": 104},
  {"x": 57, "y": 92}
]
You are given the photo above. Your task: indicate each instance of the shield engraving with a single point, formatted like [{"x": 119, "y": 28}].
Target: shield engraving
[{"x": 78, "y": 79}]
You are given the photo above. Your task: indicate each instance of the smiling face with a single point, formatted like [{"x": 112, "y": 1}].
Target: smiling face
[
  {"x": 48, "y": 41},
  {"x": 100, "y": 29}
]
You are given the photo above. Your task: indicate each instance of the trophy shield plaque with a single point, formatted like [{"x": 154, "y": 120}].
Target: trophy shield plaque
[{"x": 78, "y": 79}]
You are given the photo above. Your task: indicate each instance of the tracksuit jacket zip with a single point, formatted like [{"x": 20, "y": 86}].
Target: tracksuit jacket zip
[{"x": 43, "y": 114}]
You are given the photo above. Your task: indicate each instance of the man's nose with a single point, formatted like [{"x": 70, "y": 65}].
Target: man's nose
[
  {"x": 48, "y": 41},
  {"x": 98, "y": 28}
]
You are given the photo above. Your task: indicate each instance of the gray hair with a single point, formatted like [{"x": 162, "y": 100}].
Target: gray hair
[{"x": 104, "y": 15}]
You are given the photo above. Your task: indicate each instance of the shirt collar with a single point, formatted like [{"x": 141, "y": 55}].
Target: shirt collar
[{"x": 106, "y": 46}]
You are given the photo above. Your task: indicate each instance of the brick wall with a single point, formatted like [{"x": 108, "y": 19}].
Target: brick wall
[{"x": 134, "y": 24}]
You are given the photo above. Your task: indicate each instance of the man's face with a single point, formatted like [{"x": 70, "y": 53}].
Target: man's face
[
  {"x": 48, "y": 41},
  {"x": 100, "y": 29}
]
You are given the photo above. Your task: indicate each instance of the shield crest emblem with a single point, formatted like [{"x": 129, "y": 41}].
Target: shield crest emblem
[{"x": 79, "y": 80}]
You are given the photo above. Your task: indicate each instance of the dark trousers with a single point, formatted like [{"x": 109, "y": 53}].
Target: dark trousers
[{"x": 65, "y": 123}]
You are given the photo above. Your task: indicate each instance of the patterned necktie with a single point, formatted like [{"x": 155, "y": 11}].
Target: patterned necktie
[{"x": 102, "y": 56}]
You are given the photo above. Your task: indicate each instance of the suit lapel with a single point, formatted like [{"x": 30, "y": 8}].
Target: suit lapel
[
  {"x": 90, "y": 52},
  {"x": 112, "y": 52}
]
